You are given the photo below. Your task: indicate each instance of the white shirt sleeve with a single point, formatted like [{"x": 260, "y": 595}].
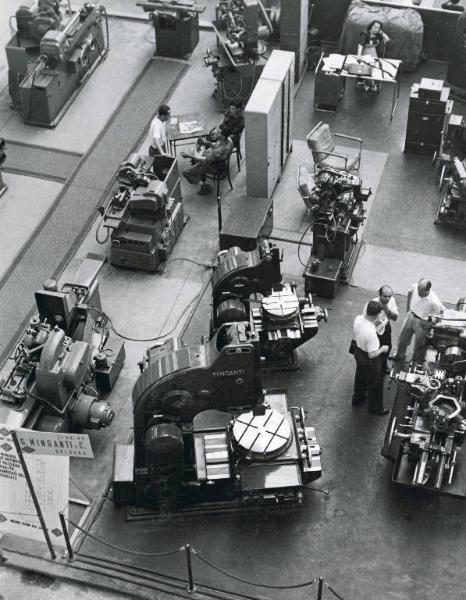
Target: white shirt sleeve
[
  {"x": 392, "y": 307},
  {"x": 372, "y": 340}
]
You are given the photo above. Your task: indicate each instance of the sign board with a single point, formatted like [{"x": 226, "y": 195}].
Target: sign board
[
  {"x": 55, "y": 444},
  {"x": 50, "y": 478}
]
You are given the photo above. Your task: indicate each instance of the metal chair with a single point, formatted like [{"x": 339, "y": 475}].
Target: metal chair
[
  {"x": 222, "y": 172},
  {"x": 320, "y": 142}
]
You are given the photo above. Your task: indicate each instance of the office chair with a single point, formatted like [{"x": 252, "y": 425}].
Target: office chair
[{"x": 321, "y": 143}]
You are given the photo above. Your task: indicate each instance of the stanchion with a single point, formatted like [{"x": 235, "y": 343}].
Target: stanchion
[
  {"x": 69, "y": 548},
  {"x": 191, "y": 587},
  {"x": 320, "y": 588},
  {"x": 219, "y": 215},
  {"x": 32, "y": 491}
]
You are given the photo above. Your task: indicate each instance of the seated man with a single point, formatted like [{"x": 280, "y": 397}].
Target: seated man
[
  {"x": 233, "y": 121},
  {"x": 208, "y": 157}
]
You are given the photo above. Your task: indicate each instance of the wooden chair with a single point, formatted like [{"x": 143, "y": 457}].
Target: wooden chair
[
  {"x": 237, "y": 149},
  {"x": 322, "y": 145}
]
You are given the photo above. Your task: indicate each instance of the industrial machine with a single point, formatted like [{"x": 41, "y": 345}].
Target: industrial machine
[
  {"x": 145, "y": 214},
  {"x": 65, "y": 360},
  {"x": 248, "y": 286},
  {"x": 335, "y": 203},
  {"x": 207, "y": 437},
  {"x": 176, "y": 26},
  {"x": 51, "y": 55},
  {"x": 242, "y": 28},
  {"x": 452, "y": 203},
  {"x": 427, "y": 426}
]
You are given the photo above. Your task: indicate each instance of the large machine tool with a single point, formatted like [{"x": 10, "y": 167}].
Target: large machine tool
[
  {"x": 242, "y": 28},
  {"x": 66, "y": 359},
  {"x": 427, "y": 427},
  {"x": 176, "y": 25},
  {"x": 51, "y": 55},
  {"x": 248, "y": 286},
  {"x": 452, "y": 202},
  {"x": 145, "y": 214},
  {"x": 335, "y": 201},
  {"x": 208, "y": 437}
]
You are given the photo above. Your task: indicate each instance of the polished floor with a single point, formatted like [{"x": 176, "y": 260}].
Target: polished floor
[{"x": 368, "y": 539}]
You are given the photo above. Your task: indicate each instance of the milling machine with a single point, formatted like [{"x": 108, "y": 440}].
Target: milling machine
[
  {"x": 207, "y": 437},
  {"x": 427, "y": 426},
  {"x": 66, "y": 359},
  {"x": 145, "y": 214},
  {"x": 248, "y": 286},
  {"x": 335, "y": 202},
  {"x": 51, "y": 55},
  {"x": 452, "y": 203},
  {"x": 242, "y": 28}
]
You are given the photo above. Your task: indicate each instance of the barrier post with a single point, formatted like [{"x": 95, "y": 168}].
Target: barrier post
[
  {"x": 69, "y": 548},
  {"x": 320, "y": 589},
  {"x": 191, "y": 587}
]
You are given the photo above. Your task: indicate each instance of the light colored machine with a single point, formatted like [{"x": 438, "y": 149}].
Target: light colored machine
[
  {"x": 50, "y": 57},
  {"x": 66, "y": 359}
]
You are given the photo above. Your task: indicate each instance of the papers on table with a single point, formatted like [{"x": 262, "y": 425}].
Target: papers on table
[
  {"x": 333, "y": 62},
  {"x": 190, "y": 127}
]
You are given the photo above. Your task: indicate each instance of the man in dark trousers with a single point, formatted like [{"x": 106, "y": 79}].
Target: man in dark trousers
[
  {"x": 383, "y": 325},
  {"x": 368, "y": 380}
]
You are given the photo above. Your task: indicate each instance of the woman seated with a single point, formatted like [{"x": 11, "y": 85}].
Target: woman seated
[{"x": 371, "y": 43}]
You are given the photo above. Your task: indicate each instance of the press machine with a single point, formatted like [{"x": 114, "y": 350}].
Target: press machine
[
  {"x": 66, "y": 359},
  {"x": 207, "y": 437},
  {"x": 248, "y": 286},
  {"x": 49, "y": 58},
  {"x": 427, "y": 426},
  {"x": 145, "y": 214}
]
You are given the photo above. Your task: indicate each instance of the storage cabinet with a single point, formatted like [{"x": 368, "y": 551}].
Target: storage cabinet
[{"x": 426, "y": 119}]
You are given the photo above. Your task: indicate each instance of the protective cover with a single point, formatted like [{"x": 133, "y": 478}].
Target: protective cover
[{"x": 403, "y": 26}]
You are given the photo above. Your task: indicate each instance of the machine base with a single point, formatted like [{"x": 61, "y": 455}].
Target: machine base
[
  {"x": 290, "y": 363},
  {"x": 325, "y": 280}
]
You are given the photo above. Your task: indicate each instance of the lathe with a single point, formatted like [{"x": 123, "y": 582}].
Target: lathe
[
  {"x": 145, "y": 214},
  {"x": 248, "y": 286},
  {"x": 66, "y": 359},
  {"x": 335, "y": 200},
  {"x": 207, "y": 437},
  {"x": 427, "y": 426},
  {"x": 51, "y": 55}
]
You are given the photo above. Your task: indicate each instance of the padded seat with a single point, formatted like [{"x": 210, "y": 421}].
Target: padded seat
[{"x": 322, "y": 145}]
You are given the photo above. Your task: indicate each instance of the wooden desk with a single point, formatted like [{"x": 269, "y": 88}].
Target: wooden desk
[
  {"x": 383, "y": 70},
  {"x": 183, "y": 129}
]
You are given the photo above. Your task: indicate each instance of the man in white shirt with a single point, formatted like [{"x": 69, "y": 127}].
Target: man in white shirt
[
  {"x": 368, "y": 379},
  {"x": 158, "y": 132},
  {"x": 422, "y": 302},
  {"x": 382, "y": 325}
]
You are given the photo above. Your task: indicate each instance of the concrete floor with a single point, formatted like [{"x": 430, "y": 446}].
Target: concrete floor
[{"x": 366, "y": 538}]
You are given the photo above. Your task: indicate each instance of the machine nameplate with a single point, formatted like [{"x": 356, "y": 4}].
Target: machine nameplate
[{"x": 229, "y": 373}]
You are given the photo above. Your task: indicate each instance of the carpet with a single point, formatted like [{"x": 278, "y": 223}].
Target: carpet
[
  {"x": 75, "y": 208},
  {"x": 36, "y": 161}
]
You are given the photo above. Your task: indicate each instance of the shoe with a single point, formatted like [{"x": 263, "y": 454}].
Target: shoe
[
  {"x": 205, "y": 189},
  {"x": 381, "y": 413}
]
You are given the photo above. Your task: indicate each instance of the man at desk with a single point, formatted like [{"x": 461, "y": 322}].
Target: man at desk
[{"x": 453, "y": 5}]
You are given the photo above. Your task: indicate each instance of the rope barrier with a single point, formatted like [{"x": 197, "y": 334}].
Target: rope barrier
[
  {"x": 330, "y": 588},
  {"x": 118, "y": 549},
  {"x": 262, "y": 585}
]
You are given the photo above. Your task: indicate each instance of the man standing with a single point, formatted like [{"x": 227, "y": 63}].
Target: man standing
[
  {"x": 158, "y": 132},
  {"x": 422, "y": 302},
  {"x": 383, "y": 325},
  {"x": 368, "y": 380}
]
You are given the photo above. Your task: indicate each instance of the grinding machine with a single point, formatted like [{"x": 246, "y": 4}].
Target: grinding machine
[
  {"x": 248, "y": 286},
  {"x": 66, "y": 359},
  {"x": 427, "y": 427},
  {"x": 335, "y": 202},
  {"x": 145, "y": 214},
  {"x": 51, "y": 55},
  {"x": 207, "y": 437}
]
